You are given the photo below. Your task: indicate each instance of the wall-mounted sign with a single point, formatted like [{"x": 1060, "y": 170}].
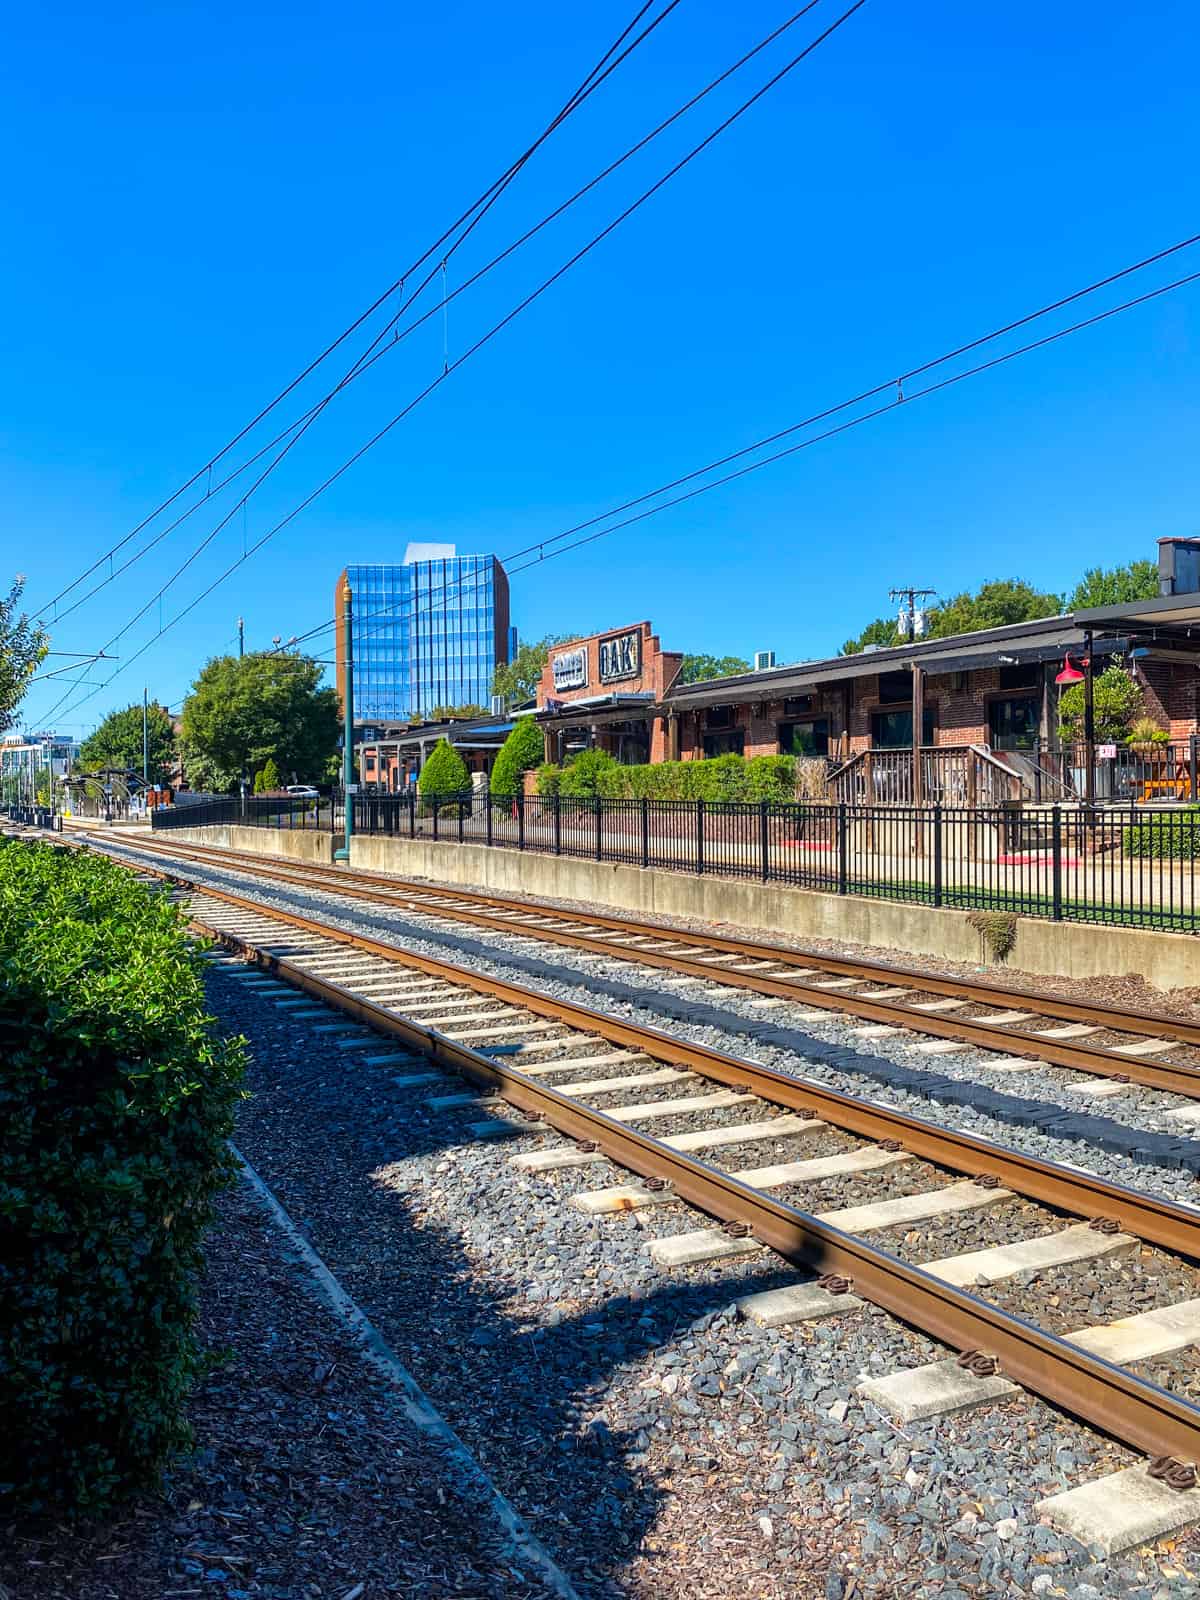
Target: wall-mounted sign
[
  {"x": 621, "y": 656},
  {"x": 1106, "y": 752},
  {"x": 570, "y": 669}
]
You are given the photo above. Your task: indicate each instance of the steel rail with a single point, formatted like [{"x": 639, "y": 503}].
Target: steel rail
[
  {"x": 1075, "y": 1056},
  {"x": 1111, "y": 1399},
  {"x": 1156, "y": 1220},
  {"x": 1120, "y": 1019}
]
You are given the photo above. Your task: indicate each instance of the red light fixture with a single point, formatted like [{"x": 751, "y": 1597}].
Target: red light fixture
[{"x": 1069, "y": 673}]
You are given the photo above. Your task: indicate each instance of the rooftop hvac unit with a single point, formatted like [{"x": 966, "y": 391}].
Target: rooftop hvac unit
[
  {"x": 497, "y": 705},
  {"x": 763, "y": 659}
]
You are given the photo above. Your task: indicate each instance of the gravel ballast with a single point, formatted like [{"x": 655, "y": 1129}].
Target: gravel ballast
[{"x": 658, "y": 1445}]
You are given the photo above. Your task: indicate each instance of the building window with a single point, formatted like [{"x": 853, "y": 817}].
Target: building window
[
  {"x": 895, "y": 687},
  {"x": 718, "y": 717},
  {"x": 799, "y": 705},
  {"x": 1027, "y": 675},
  {"x": 1013, "y": 722},
  {"x": 893, "y": 730},
  {"x": 725, "y": 744},
  {"x": 809, "y": 737}
]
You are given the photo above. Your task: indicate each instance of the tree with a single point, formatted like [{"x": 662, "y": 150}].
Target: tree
[
  {"x": 1117, "y": 702},
  {"x": 446, "y": 713},
  {"x": 1115, "y": 586},
  {"x": 266, "y": 779},
  {"x": 993, "y": 605},
  {"x": 23, "y": 646},
  {"x": 117, "y": 742},
  {"x": 444, "y": 773},
  {"x": 699, "y": 669},
  {"x": 524, "y": 748},
  {"x": 244, "y": 710},
  {"x": 517, "y": 680},
  {"x": 882, "y": 631}
]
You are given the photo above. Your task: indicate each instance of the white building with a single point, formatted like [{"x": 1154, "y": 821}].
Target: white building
[{"x": 25, "y": 756}]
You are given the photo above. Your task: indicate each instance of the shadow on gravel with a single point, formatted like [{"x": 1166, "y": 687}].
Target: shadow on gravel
[{"x": 348, "y": 1154}]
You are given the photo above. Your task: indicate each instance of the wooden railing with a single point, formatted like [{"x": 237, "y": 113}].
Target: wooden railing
[{"x": 951, "y": 775}]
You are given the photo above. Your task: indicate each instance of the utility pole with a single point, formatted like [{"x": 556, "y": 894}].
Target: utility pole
[
  {"x": 909, "y": 612},
  {"x": 343, "y": 854},
  {"x": 241, "y": 637},
  {"x": 145, "y": 744}
]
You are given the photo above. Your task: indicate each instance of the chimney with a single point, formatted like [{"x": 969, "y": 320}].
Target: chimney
[{"x": 1178, "y": 566}]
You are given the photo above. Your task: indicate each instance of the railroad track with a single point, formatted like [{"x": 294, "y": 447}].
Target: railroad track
[
  {"x": 563, "y": 1066},
  {"x": 701, "y": 1131},
  {"x": 1018, "y": 1025}
]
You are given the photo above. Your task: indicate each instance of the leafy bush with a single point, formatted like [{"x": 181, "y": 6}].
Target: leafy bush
[
  {"x": 444, "y": 773},
  {"x": 116, "y": 1102},
  {"x": 523, "y": 749},
  {"x": 1175, "y": 835},
  {"x": 583, "y": 778},
  {"x": 548, "y": 777},
  {"x": 722, "y": 780},
  {"x": 1117, "y": 703}
]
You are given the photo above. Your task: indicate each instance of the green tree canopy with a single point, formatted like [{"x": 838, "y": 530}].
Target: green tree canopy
[
  {"x": 699, "y": 668},
  {"x": 117, "y": 742},
  {"x": 517, "y": 680},
  {"x": 244, "y": 710},
  {"x": 1115, "y": 586},
  {"x": 993, "y": 605},
  {"x": 23, "y": 646},
  {"x": 1117, "y": 703},
  {"x": 445, "y": 772},
  {"x": 444, "y": 713},
  {"x": 524, "y": 748}
]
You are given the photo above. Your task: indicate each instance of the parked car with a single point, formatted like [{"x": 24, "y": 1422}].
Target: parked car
[{"x": 302, "y": 791}]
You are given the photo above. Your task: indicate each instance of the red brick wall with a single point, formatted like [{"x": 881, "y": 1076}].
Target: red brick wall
[{"x": 1172, "y": 694}]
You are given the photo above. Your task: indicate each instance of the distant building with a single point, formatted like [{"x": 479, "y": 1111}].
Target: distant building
[
  {"x": 428, "y": 632},
  {"x": 24, "y": 756}
]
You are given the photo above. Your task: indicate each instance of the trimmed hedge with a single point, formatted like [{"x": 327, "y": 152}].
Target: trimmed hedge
[
  {"x": 523, "y": 749},
  {"x": 723, "y": 780},
  {"x": 443, "y": 776},
  {"x": 116, "y": 1102},
  {"x": 1174, "y": 836}
]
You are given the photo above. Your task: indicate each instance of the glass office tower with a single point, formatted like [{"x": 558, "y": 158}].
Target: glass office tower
[{"x": 428, "y": 632}]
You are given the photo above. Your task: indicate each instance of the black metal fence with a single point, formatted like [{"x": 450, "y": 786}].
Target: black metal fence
[
  {"x": 1130, "y": 867},
  {"x": 255, "y": 811},
  {"x": 35, "y": 817}
]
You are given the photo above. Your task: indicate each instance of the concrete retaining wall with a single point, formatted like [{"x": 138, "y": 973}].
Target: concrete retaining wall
[
  {"x": 1064, "y": 949},
  {"x": 295, "y": 844}
]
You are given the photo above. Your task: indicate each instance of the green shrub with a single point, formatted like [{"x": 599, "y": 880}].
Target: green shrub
[
  {"x": 582, "y": 778},
  {"x": 722, "y": 780},
  {"x": 548, "y": 778},
  {"x": 1175, "y": 835},
  {"x": 444, "y": 773},
  {"x": 116, "y": 1102},
  {"x": 522, "y": 750}
]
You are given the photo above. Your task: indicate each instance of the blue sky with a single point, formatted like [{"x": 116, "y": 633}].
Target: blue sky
[{"x": 202, "y": 197}]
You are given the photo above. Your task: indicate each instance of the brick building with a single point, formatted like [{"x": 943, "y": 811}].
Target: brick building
[{"x": 608, "y": 692}]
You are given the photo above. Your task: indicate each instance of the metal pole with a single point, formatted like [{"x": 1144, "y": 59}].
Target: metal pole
[
  {"x": 241, "y": 637},
  {"x": 343, "y": 854},
  {"x": 1089, "y": 724},
  {"x": 145, "y": 744}
]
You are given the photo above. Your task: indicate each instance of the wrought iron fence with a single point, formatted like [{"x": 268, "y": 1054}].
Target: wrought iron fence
[
  {"x": 254, "y": 811},
  {"x": 1099, "y": 864}
]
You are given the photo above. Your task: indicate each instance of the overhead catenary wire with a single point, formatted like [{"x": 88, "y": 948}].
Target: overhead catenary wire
[
  {"x": 487, "y": 337},
  {"x": 472, "y": 215},
  {"x": 538, "y": 548},
  {"x": 382, "y": 346},
  {"x": 894, "y": 404}
]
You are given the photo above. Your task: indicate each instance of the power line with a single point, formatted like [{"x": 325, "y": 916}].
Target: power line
[
  {"x": 479, "y": 343},
  {"x": 380, "y": 349},
  {"x": 481, "y": 205},
  {"x": 895, "y": 403},
  {"x": 889, "y": 385}
]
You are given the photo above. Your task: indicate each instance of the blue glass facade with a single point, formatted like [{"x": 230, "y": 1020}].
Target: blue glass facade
[{"x": 426, "y": 633}]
